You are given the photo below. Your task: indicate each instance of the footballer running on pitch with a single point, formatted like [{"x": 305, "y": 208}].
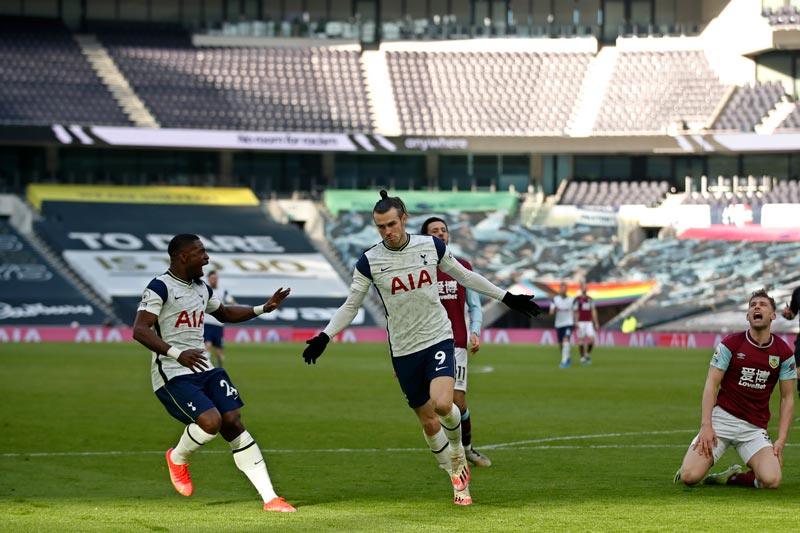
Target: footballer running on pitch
[{"x": 403, "y": 269}]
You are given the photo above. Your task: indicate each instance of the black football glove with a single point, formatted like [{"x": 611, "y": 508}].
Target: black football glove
[
  {"x": 523, "y": 303},
  {"x": 315, "y": 348}
]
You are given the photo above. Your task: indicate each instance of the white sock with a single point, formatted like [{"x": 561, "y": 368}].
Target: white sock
[
  {"x": 439, "y": 446},
  {"x": 565, "y": 352},
  {"x": 192, "y": 438},
  {"x": 249, "y": 460},
  {"x": 451, "y": 424}
]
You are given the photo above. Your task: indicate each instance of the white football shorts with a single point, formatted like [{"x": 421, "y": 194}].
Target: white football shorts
[
  {"x": 746, "y": 438},
  {"x": 461, "y": 369},
  {"x": 585, "y": 329}
]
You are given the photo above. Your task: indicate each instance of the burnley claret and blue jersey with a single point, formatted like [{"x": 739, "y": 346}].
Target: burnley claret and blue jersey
[{"x": 751, "y": 373}]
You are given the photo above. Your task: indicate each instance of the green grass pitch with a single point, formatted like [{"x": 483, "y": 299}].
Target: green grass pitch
[{"x": 82, "y": 439}]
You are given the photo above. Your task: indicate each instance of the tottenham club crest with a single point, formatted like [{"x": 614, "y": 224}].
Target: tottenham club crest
[{"x": 774, "y": 361}]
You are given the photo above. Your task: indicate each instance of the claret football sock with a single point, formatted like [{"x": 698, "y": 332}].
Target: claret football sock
[
  {"x": 745, "y": 479},
  {"x": 192, "y": 438},
  {"x": 466, "y": 429},
  {"x": 249, "y": 460}
]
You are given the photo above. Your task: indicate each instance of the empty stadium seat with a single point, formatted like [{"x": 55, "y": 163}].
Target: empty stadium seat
[
  {"x": 268, "y": 89},
  {"x": 486, "y": 93},
  {"x": 749, "y": 105},
  {"x": 650, "y": 91},
  {"x": 45, "y": 79}
]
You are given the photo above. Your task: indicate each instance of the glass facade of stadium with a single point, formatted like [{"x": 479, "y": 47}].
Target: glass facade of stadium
[
  {"x": 401, "y": 19},
  {"x": 283, "y": 174}
]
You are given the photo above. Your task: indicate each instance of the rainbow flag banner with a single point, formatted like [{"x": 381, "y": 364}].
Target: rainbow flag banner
[{"x": 614, "y": 293}]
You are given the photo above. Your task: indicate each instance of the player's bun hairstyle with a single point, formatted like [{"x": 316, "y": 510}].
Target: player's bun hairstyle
[
  {"x": 387, "y": 202},
  {"x": 179, "y": 242},
  {"x": 762, "y": 293},
  {"x": 424, "y": 229}
]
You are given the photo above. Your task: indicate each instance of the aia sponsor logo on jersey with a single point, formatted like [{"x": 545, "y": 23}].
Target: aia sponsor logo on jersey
[
  {"x": 408, "y": 283},
  {"x": 195, "y": 320}
]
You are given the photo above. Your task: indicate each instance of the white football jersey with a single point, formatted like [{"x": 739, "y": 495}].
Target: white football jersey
[
  {"x": 407, "y": 284},
  {"x": 181, "y": 308},
  {"x": 563, "y": 305}
]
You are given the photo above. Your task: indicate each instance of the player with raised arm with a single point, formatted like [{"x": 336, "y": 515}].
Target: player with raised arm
[
  {"x": 588, "y": 324},
  {"x": 561, "y": 307},
  {"x": 744, "y": 370},
  {"x": 169, "y": 322},
  {"x": 403, "y": 269},
  {"x": 454, "y": 297}
]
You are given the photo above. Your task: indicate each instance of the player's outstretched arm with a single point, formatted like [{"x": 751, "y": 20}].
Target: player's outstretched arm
[
  {"x": 522, "y": 303},
  {"x": 241, "y": 313},
  {"x": 472, "y": 280}
]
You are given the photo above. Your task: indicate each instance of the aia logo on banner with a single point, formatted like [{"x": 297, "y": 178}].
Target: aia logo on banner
[
  {"x": 774, "y": 361},
  {"x": 195, "y": 320},
  {"x": 409, "y": 284}
]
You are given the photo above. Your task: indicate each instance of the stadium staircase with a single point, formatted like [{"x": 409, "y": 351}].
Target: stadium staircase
[
  {"x": 775, "y": 118},
  {"x": 58, "y": 264},
  {"x": 117, "y": 84},
  {"x": 591, "y": 93},
  {"x": 380, "y": 94},
  {"x": 542, "y": 214}
]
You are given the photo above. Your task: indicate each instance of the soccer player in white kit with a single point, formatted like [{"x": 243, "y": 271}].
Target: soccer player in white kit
[
  {"x": 403, "y": 269},
  {"x": 561, "y": 307},
  {"x": 169, "y": 322}
]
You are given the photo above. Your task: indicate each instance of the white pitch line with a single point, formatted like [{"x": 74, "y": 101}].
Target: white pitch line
[
  {"x": 521, "y": 445},
  {"x": 578, "y": 437}
]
